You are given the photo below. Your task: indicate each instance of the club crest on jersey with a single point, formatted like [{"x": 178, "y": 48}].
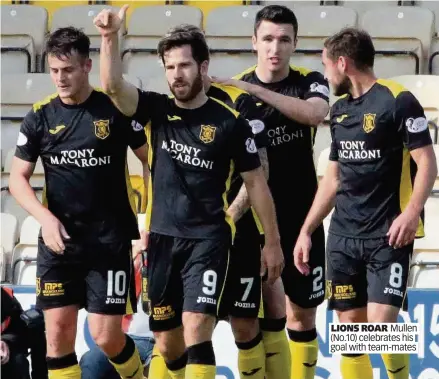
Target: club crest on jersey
[
  {"x": 102, "y": 128},
  {"x": 207, "y": 133},
  {"x": 369, "y": 122}
]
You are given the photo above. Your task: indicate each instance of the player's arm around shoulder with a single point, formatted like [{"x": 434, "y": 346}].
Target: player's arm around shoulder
[{"x": 123, "y": 94}]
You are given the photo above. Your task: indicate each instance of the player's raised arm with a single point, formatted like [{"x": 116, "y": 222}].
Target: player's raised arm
[{"x": 124, "y": 95}]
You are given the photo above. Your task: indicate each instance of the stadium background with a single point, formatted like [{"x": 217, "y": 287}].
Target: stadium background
[{"x": 406, "y": 37}]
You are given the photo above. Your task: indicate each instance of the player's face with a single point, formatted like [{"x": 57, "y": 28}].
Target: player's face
[
  {"x": 183, "y": 73},
  {"x": 335, "y": 74},
  {"x": 275, "y": 44},
  {"x": 69, "y": 74}
]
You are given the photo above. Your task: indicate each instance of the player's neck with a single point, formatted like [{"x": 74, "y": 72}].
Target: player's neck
[
  {"x": 267, "y": 76},
  {"x": 80, "y": 97},
  {"x": 361, "y": 83},
  {"x": 196, "y": 102}
]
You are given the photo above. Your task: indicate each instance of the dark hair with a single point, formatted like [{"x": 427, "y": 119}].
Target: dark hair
[
  {"x": 185, "y": 35},
  {"x": 353, "y": 43},
  {"x": 65, "y": 41},
  {"x": 277, "y": 14}
]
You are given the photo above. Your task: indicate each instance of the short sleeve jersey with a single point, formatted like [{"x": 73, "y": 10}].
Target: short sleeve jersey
[
  {"x": 83, "y": 149},
  {"x": 242, "y": 102},
  {"x": 193, "y": 154},
  {"x": 292, "y": 179},
  {"x": 372, "y": 137}
]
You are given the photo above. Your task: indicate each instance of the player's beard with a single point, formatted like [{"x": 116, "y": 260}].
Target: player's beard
[
  {"x": 193, "y": 91},
  {"x": 344, "y": 87}
]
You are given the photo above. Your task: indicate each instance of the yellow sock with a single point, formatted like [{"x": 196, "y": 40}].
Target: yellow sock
[
  {"x": 251, "y": 358},
  {"x": 157, "y": 367},
  {"x": 177, "y": 367},
  {"x": 201, "y": 361},
  {"x": 356, "y": 367},
  {"x": 72, "y": 372},
  {"x": 397, "y": 365},
  {"x": 304, "y": 349},
  {"x": 197, "y": 371},
  {"x": 128, "y": 363},
  {"x": 277, "y": 354},
  {"x": 64, "y": 367}
]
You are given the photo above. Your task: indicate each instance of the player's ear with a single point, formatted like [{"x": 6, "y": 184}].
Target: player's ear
[
  {"x": 88, "y": 65},
  {"x": 204, "y": 68},
  {"x": 254, "y": 40}
]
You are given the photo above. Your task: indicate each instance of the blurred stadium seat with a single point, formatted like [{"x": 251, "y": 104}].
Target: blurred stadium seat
[
  {"x": 146, "y": 27},
  {"x": 23, "y": 28},
  {"x": 292, "y": 4},
  {"x": 9, "y": 237},
  {"x": 81, "y": 16},
  {"x": 25, "y": 253},
  {"x": 316, "y": 23},
  {"x": 363, "y": 6},
  {"x": 231, "y": 46},
  {"x": 424, "y": 269},
  {"x": 53, "y": 6},
  {"x": 401, "y": 48}
]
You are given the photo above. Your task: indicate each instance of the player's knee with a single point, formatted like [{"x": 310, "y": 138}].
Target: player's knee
[
  {"x": 60, "y": 333},
  {"x": 170, "y": 344},
  {"x": 198, "y": 327},
  {"x": 300, "y": 319},
  {"x": 382, "y": 313},
  {"x": 244, "y": 329},
  {"x": 108, "y": 335},
  {"x": 353, "y": 315}
]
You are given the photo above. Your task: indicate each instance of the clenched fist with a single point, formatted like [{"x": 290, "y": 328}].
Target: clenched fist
[{"x": 109, "y": 22}]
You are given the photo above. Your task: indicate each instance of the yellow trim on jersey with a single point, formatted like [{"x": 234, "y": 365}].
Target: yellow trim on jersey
[
  {"x": 257, "y": 221},
  {"x": 224, "y": 283},
  {"x": 406, "y": 188},
  {"x": 226, "y": 203},
  {"x": 129, "y": 307},
  {"x": 235, "y": 113},
  {"x": 150, "y": 156},
  {"x": 233, "y": 92},
  {"x": 245, "y": 72},
  {"x": 39, "y": 104},
  {"x": 130, "y": 191},
  {"x": 301, "y": 70},
  {"x": 394, "y": 87}
]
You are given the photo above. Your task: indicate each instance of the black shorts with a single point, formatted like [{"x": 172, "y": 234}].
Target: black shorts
[
  {"x": 243, "y": 291},
  {"x": 362, "y": 271},
  {"x": 304, "y": 291},
  {"x": 98, "y": 277},
  {"x": 185, "y": 275}
]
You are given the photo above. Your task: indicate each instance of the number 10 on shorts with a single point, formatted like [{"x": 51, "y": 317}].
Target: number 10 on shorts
[{"x": 116, "y": 287}]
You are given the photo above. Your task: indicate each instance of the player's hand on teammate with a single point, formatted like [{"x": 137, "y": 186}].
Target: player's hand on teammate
[
  {"x": 272, "y": 261},
  {"x": 301, "y": 253},
  {"x": 109, "y": 22},
  {"x": 231, "y": 82},
  {"x": 54, "y": 233},
  {"x": 142, "y": 244},
  {"x": 403, "y": 229}
]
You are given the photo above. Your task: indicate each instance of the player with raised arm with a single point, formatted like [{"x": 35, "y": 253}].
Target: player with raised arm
[
  {"x": 294, "y": 101},
  {"x": 195, "y": 144},
  {"x": 381, "y": 171},
  {"x": 88, "y": 221}
]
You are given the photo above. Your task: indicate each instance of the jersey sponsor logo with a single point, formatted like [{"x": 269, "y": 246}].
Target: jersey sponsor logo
[
  {"x": 173, "y": 118},
  {"x": 112, "y": 300},
  {"x": 136, "y": 126},
  {"x": 163, "y": 313},
  {"x": 369, "y": 122},
  {"x": 80, "y": 158},
  {"x": 356, "y": 151},
  {"x": 279, "y": 135},
  {"x": 53, "y": 289},
  {"x": 57, "y": 129},
  {"x": 207, "y": 133},
  {"x": 102, "y": 128},
  {"x": 416, "y": 125},
  {"x": 393, "y": 291},
  {"x": 257, "y": 126},
  {"x": 186, "y": 154},
  {"x": 239, "y": 304},
  {"x": 206, "y": 300},
  {"x": 320, "y": 88},
  {"x": 344, "y": 292},
  {"x": 22, "y": 139},
  {"x": 341, "y": 118},
  {"x": 251, "y": 146}
]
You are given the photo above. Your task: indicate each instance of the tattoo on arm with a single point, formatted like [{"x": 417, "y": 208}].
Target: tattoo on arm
[{"x": 241, "y": 204}]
